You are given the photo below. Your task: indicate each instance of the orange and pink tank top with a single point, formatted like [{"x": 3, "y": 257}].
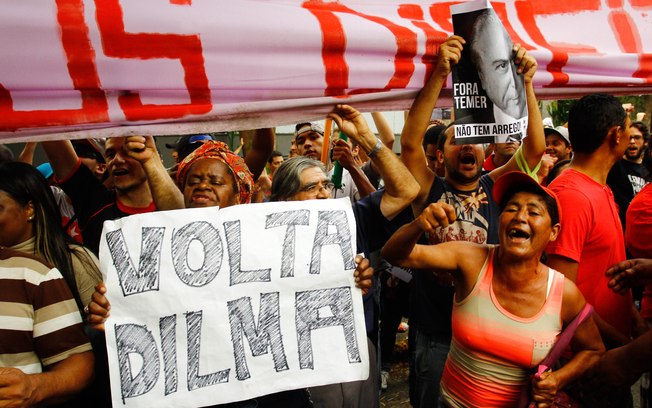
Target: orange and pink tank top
[{"x": 494, "y": 352}]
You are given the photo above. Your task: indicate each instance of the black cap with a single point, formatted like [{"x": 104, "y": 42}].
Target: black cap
[
  {"x": 90, "y": 148},
  {"x": 173, "y": 145},
  {"x": 187, "y": 144}
]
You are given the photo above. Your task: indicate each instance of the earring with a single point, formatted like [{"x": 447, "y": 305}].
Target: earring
[{"x": 30, "y": 218}]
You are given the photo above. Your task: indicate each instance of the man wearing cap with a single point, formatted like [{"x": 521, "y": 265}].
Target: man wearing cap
[
  {"x": 558, "y": 142},
  {"x": 309, "y": 138},
  {"x": 183, "y": 147},
  {"x": 187, "y": 144},
  {"x": 628, "y": 176},
  {"x": 91, "y": 153}
]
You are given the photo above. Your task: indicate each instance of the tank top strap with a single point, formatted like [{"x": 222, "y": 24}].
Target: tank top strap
[
  {"x": 486, "y": 274},
  {"x": 557, "y": 290}
]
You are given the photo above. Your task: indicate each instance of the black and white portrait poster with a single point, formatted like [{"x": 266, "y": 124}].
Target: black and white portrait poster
[{"x": 488, "y": 93}]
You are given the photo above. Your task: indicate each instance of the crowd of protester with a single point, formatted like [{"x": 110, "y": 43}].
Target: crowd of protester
[{"x": 506, "y": 245}]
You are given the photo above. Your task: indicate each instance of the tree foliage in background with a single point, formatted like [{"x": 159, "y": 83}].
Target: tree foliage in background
[{"x": 558, "y": 110}]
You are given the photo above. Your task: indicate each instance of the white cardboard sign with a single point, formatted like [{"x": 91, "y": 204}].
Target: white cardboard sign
[{"x": 216, "y": 305}]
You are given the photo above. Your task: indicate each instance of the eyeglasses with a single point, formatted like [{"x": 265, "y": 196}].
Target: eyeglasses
[{"x": 317, "y": 187}]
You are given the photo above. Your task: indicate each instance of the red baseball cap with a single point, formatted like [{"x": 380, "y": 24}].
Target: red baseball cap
[{"x": 515, "y": 180}]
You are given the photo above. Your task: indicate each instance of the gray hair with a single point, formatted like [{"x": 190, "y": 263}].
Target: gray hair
[
  {"x": 287, "y": 178},
  {"x": 486, "y": 18}
]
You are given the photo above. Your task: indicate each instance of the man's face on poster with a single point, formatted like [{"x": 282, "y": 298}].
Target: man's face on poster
[{"x": 496, "y": 68}]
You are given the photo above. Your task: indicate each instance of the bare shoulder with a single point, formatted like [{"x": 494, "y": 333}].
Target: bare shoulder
[
  {"x": 573, "y": 301},
  {"x": 471, "y": 256}
]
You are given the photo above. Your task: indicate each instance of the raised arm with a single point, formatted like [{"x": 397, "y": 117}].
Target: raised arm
[
  {"x": 385, "y": 131},
  {"x": 402, "y": 248},
  {"x": 400, "y": 186},
  {"x": 27, "y": 154},
  {"x": 262, "y": 145},
  {"x": 342, "y": 152},
  {"x": 165, "y": 192},
  {"x": 534, "y": 145},
  {"x": 62, "y": 157},
  {"x": 418, "y": 118}
]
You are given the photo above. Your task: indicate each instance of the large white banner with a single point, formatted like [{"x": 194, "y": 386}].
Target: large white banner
[
  {"x": 183, "y": 66},
  {"x": 489, "y": 94},
  {"x": 216, "y": 305}
]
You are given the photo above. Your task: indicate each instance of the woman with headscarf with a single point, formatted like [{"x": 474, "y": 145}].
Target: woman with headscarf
[{"x": 213, "y": 175}]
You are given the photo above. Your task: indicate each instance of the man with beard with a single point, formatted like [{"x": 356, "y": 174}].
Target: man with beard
[
  {"x": 628, "y": 176},
  {"x": 463, "y": 187}
]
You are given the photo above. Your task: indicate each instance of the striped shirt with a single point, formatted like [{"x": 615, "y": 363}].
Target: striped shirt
[
  {"x": 39, "y": 321},
  {"x": 493, "y": 352}
]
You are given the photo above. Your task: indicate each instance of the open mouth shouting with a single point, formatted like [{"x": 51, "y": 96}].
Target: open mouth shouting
[
  {"x": 467, "y": 159},
  {"x": 518, "y": 235},
  {"x": 117, "y": 172}
]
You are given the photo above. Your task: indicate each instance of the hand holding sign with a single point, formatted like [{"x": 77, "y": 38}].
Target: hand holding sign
[
  {"x": 363, "y": 274},
  {"x": 527, "y": 65},
  {"x": 489, "y": 79},
  {"x": 450, "y": 53},
  {"x": 98, "y": 309}
]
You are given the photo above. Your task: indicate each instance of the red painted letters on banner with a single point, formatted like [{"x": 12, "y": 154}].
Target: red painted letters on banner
[
  {"x": 334, "y": 46},
  {"x": 186, "y": 48},
  {"x": 81, "y": 66}
]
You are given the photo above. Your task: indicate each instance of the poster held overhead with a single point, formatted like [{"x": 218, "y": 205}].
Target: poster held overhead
[{"x": 488, "y": 93}]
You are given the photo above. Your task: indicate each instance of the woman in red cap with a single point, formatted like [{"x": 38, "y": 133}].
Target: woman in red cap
[{"x": 509, "y": 308}]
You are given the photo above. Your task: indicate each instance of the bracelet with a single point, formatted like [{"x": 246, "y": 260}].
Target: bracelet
[{"x": 376, "y": 148}]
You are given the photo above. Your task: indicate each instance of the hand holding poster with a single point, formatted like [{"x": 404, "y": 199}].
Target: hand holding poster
[
  {"x": 210, "y": 306},
  {"x": 488, "y": 92}
]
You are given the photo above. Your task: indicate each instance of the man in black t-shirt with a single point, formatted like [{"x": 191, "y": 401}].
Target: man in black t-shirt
[
  {"x": 94, "y": 203},
  {"x": 465, "y": 188},
  {"x": 628, "y": 176}
]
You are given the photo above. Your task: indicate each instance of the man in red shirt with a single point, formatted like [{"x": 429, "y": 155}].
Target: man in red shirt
[{"x": 591, "y": 239}]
